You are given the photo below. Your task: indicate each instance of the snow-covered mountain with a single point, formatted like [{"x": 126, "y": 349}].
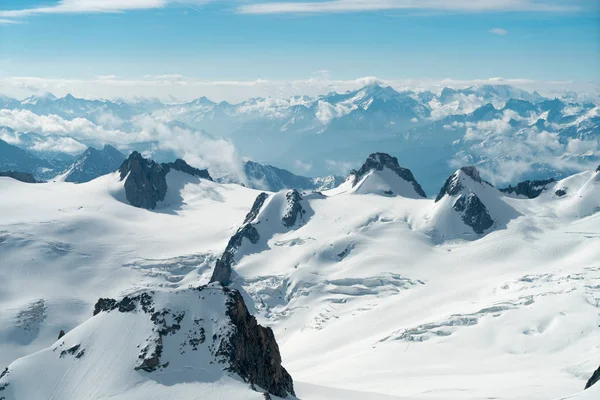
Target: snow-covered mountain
[
  {"x": 509, "y": 133},
  {"x": 368, "y": 294},
  {"x": 273, "y": 179},
  {"x": 189, "y": 344},
  {"x": 93, "y": 163}
]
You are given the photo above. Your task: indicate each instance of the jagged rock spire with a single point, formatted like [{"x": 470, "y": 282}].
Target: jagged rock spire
[{"x": 379, "y": 161}]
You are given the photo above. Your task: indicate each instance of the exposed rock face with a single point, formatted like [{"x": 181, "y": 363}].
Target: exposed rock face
[
  {"x": 20, "y": 176},
  {"x": 224, "y": 265},
  {"x": 561, "y": 192},
  {"x": 452, "y": 186},
  {"x": 379, "y": 161},
  {"x": 529, "y": 189},
  {"x": 94, "y": 163},
  {"x": 465, "y": 185},
  {"x": 253, "y": 352},
  {"x": 258, "y": 203},
  {"x": 243, "y": 347},
  {"x": 593, "y": 379},
  {"x": 181, "y": 165},
  {"x": 598, "y": 169},
  {"x": 294, "y": 210},
  {"x": 146, "y": 183},
  {"x": 474, "y": 213}
]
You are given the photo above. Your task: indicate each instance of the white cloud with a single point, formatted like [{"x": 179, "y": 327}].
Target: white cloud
[
  {"x": 339, "y": 167},
  {"x": 95, "y": 6},
  {"x": 303, "y": 166},
  {"x": 498, "y": 31},
  {"x": 7, "y": 21},
  {"x": 346, "y": 6}
]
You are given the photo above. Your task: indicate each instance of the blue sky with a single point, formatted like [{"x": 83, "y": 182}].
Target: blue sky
[{"x": 542, "y": 40}]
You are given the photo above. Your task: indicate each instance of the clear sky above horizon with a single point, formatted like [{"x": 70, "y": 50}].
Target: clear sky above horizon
[{"x": 543, "y": 40}]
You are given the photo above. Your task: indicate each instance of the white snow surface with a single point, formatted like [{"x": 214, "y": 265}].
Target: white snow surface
[{"x": 364, "y": 301}]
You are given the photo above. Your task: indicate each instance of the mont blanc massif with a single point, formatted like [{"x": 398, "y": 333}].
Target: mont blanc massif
[{"x": 372, "y": 244}]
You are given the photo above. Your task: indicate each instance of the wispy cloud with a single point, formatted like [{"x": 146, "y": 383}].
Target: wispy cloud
[
  {"x": 8, "y": 21},
  {"x": 347, "y": 6},
  {"x": 95, "y": 6},
  {"x": 498, "y": 31}
]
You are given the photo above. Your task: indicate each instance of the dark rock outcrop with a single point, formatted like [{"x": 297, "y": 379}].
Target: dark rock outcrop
[
  {"x": 598, "y": 169},
  {"x": 258, "y": 203},
  {"x": 379, "y": 161},
  {"x": 20, "y": 176},
  {"x": 294, "y": 209},
  {"x": 247, "y": 349},
  {"x": 253, "y": 352},
  {"x": 145, "y": 183},
  {"x": 181, "y": 165},
  {"x": 561, "y": 192},
  {"x": 145, "y": 180},
  {"x": 224, "y": 265},
  {"x": 452, "y": 186},
  {"x": 529, "y": 189},
  {"x": 474, "y": 213},
  {"x": 593, "y": 379}
]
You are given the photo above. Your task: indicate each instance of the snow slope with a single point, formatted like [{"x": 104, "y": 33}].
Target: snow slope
[
  {"x": 109, "y": 356},
  {"x": 365, "y": 301},
  {"x": 65, "y": 245}
]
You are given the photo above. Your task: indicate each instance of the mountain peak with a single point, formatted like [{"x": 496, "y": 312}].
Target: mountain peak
[
  {"x": 381, "y": 162},
  {"x": 453, "y": 184}
]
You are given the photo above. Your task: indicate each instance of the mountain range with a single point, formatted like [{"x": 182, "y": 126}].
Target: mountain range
[
  {"x": 214, "y": 287},
  {"x": 509, "y": 133}
]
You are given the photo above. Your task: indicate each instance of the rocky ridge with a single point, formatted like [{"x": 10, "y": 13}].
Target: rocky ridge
[
  {"x": 379, "y": 161},
  {"x": 145, "y": 180}
]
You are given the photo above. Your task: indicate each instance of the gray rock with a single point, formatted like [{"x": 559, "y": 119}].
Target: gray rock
[
  {"x": 247, "y": 349},
  {"x": 452, "y": 186},
  {"x": 379, "y": 161},
  {"x": 294, "y": 210},
  {"x": 593, "y": 379},
  {"x": 181, "y": 165},
  {"x": 474, "y": 213},
  {"x": 258, "y": 203},
  {"x": 253, "y": 351},
  {"x": 145, "y": 180},
  {"x": 530, "y": 189},
  {"x": 224, "y": 265}
]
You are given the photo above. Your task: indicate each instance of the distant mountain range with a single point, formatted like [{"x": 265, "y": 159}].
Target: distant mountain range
[{"x": 506, "y": 131}]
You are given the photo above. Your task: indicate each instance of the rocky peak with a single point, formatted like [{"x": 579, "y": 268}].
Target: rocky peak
[
  {"x": 473, "y": 212},
  {"x": 93, "y": 163},
  {"x": 224, "y": 265},
  {"x": 19, "y": 176},
  {"x": 529, "y": 189},
  {"x": 145, "y": 180},
  {"x": 294, "y": 210},
  {"x": 253, "y": 352},
  {"x": 598, "y": 169},
  {"x": 243, "y": 347},
  {"x": 182, "y": 166},
  {"x": 379, "y": 161},
  {"x": 453, "y": 185}
]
